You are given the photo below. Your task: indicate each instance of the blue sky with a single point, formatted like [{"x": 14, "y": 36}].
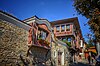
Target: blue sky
[{"x": 49, "y": 9}]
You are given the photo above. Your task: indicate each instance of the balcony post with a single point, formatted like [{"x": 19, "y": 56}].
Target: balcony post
[{"x": 60, "y": 27}]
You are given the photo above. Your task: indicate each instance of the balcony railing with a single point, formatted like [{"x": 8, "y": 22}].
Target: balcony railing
[
  {"x": 43, "y": 43},
  {"x": 63, "y": 33}
]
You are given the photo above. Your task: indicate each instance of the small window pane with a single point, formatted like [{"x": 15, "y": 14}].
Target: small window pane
[
  {"x": 64, "y": 39},
  {"x": 57, "y": 28},
  {"x": 68, "y": 27},
  {"x": 62, "y": 28},
  {"x": 42, "y": 34},
  {"x": 69, "y": 40}
]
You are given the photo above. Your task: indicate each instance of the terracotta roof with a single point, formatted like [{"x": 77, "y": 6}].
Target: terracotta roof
[{"x": 91, "y": 49}]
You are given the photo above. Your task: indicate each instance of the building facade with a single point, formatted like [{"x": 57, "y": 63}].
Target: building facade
[
  {"x": 59, "y": 52},
  {"x": 39, "y": 40},
  {"x": 43, "y": 33},
  {"x": 68, "y": 31},
  {"x": 36, "y": 41}
]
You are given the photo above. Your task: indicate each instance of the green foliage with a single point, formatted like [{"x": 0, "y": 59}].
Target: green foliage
[
  {"x": 91, "y": 10},
  {"x": 87, "y": 7},
  {"x": 90, "y": 42},
  {"x": 89, "y": 45},
  {"x": 68, "y": 43}
]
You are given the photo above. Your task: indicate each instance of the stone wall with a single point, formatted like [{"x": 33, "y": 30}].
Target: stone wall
[{"x": 13, "y": 42}]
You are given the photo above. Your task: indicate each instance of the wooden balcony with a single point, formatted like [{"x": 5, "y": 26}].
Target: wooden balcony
[
  {"x": 63, "y": 33},
  {"x": 43, "y": 43}
]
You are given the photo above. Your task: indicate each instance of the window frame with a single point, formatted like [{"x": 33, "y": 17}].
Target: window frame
[
  {"x": 62, "y": 30},
  {"x": 41, "y": 34},
  {"x": 68, "y": 25},
  {"x": 57, "y": 30}
]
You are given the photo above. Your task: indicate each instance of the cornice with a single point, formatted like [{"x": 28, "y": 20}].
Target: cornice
[{"x": 11, "y": 19}]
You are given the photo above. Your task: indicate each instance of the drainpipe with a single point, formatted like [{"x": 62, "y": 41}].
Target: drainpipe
[{"x": 98, "y": 48}]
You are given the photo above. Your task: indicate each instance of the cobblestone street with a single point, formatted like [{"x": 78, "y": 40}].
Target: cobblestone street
[{"x": 81, "y": 64}]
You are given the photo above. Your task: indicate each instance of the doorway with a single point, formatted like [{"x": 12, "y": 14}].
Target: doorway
[{"x": 60, "y": 58}]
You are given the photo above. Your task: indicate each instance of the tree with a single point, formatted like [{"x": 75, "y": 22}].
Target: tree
[
  {"x": 90, "y": 42},
  {"x": 91, "y": 10}
]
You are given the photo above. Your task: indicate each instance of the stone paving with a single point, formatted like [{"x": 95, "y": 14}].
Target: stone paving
[{"x": 82, "y": 63}]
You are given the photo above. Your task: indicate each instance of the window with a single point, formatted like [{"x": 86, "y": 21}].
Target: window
[
  {"x": 62, "y": 28},
  {"x": 69, "y": 39},
  {"x": 64, "y": 39},
  {"x": 59, "y": 38},
  {"x": 57, "y": 28},
  {"x": 68, "y": 27},
  {"x": 42, "y": 34}
]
